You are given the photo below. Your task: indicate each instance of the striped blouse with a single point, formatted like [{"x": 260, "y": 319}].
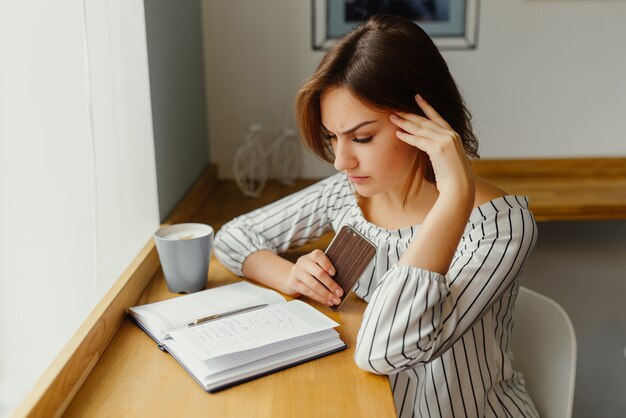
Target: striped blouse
[{"x": 443, "y": 340}]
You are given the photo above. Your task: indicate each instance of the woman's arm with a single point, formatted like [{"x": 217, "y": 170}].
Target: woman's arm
[
  {"x": 439, "y": 235},
  {"x": 270, "y": 269},
  {"x": 433, "y": 247},
  {"x": 437, "y": 291},
  {"x": 248, "y": 244}
]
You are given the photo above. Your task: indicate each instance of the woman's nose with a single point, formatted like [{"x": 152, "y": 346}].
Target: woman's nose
[{"x": 344, "y": 158}]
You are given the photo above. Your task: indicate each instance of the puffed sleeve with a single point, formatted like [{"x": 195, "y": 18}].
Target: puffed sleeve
[
  {"x": 289, "y": 222},
  {"x": 415, "y": 315}
]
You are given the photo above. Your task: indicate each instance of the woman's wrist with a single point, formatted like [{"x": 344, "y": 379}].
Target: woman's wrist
[
  {"x": 440, "y": 233},
  {"x": 460, "y": 197},
  {"x": 269, "y": 269}
]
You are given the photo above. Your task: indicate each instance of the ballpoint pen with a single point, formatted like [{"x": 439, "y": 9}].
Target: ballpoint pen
[{"x": 224, "y": 314}]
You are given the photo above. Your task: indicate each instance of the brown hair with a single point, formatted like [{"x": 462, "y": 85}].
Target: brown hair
[{"x": 384, "y": 63}]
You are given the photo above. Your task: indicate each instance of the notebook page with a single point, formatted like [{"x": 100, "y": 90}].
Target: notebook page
[
  {"x": 253, "y": 329},
  {"x": 274, "y": 361},
  {"x": 168, "y": 315},
  {"x": 230, "y": 361},
  {"x": 211, "y": 377}
]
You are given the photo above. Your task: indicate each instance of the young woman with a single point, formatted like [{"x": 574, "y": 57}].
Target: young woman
[{"x": 384, "y": 109}]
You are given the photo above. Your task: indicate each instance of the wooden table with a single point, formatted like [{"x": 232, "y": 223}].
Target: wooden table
[{"x": 135, "y": 378}]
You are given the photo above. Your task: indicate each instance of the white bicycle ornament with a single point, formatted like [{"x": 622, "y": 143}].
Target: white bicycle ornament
[{"x": 250, "y": 165}]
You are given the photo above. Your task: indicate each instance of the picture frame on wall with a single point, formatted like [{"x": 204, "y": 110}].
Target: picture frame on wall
[{"x": 452, "y": 24}]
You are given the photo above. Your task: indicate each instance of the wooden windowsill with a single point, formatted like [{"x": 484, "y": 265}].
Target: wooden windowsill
[{"x": 559, "y": 190}]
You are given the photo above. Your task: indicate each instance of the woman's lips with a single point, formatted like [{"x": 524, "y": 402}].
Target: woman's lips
[{"x": 358, "y": 179}]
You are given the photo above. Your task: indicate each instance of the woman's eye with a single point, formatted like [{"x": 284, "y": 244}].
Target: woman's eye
[
  {"x": 362, "y": 140},
  {"x": 328, "y": 136}
]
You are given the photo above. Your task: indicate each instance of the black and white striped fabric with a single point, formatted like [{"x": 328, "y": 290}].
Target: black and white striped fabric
[{"x": 443, "y": 340}]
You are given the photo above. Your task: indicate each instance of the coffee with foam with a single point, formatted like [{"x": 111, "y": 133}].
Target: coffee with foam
[{"x": 184, "y": 231}]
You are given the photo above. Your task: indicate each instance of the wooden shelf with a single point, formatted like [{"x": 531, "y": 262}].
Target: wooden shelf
[{"x": 574, "y": 189}]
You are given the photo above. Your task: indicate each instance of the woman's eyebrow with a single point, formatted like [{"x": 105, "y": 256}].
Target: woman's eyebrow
[{"x": 349, "y": 131}]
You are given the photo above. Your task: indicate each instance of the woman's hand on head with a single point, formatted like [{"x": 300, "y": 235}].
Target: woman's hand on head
[
  {"x": 311, "y": 276},
  {"x": 433, "y": 135}
]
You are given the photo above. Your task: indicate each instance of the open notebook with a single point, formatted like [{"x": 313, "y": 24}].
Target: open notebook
[{"x": 237, "y": 348}]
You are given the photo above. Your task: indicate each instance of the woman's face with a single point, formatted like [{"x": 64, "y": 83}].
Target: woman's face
[{"x": 365, "y": 144}]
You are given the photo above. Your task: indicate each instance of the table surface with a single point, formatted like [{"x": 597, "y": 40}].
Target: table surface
[{"x": 135, "y": 378}]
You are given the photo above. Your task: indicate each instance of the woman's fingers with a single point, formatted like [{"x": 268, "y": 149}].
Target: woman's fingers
[
  {"x": 431, "y": 113},
  {"x": 326, "y": 270},
  {"x": 316, "y": 291},
  {"x": 416, "y": 125},
  {"x": 323, "y": 261},
  {"x": 426, "y": 138},
  {"x": 414, "y": 140},
  {"x": 320, "y": 282},
  {"x": 433, "y": 119},
  {"x": 315, "y": 277}
]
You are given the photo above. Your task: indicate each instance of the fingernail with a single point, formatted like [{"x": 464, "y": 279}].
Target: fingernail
[
  {"x": 338, "y": 292},
  {"x": 419, "y": 97},
  {"x": 331, "y": 271},
  {"x": 330, "y": 303},
  {"x": 337, "y": 301}
]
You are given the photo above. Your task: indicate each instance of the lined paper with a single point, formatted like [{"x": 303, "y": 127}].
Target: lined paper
[
  {"x": 253, "y": 329},
  {"x": 176, "y": 313}
]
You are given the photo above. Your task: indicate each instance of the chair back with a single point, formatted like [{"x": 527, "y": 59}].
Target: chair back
[{"x": 544, "y": 350}]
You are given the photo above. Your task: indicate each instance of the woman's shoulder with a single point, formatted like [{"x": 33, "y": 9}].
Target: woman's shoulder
[
  {"x": 491, "y": 200},
  {"x": 486, "y": 192}
]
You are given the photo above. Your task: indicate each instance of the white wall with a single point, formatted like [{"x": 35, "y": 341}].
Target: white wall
[
  {"x": 175, "y": 57},
  {"x": 546, "y": 80},
  {"x": 73, "y": 211}
]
